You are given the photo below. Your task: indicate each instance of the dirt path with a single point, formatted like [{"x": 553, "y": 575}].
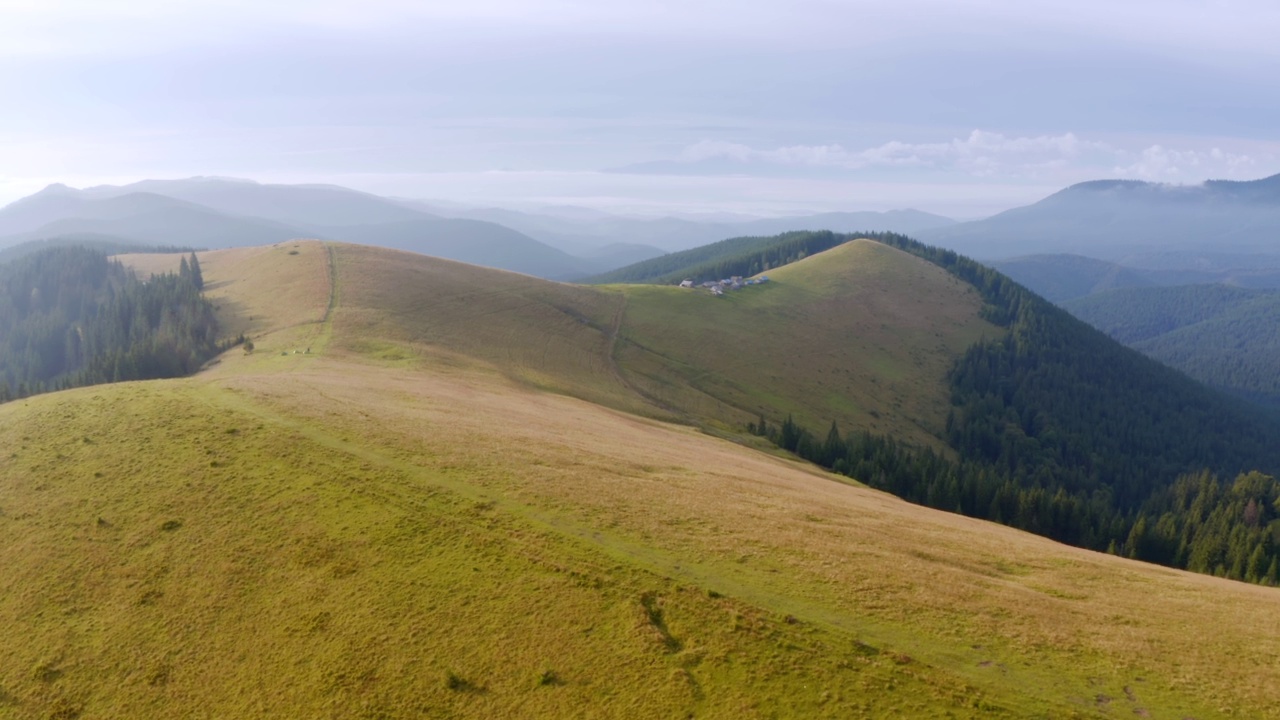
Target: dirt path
[{"x": 615, "y": 332}]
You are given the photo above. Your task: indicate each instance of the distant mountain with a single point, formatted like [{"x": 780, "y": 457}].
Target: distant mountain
[
  {"x": 469, "y": 241},
  {"x": 576, "y": 232},
  {"x": 606, "y": 258},
  {"x": 905, "y": 222},
  {"x": 105, "y": 244},
  {"x": 1226, "y": 337},
  {"x": 30, "y": 213},
  {"x": 1214, "y": 225},
  {"x": 150, "y": 219},
  {"x": 219, "y": 213},
  {"x": 303, "y": 205},
  {"x": 1065, "y": 277}
]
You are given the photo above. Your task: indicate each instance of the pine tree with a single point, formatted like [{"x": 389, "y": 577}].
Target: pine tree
[
  {"x": 1255, "y": 571},
  {"x": 197, "y": 277}
]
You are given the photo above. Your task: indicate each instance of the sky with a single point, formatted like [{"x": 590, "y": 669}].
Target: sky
[{"x": 760, "y": 107}]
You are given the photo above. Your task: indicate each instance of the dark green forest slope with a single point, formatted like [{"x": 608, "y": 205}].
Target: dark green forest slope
[
  {"x": 70, "y": 316},
  {"x": 1061, "y": 431},
  {"x": 1226, "y": 337}
]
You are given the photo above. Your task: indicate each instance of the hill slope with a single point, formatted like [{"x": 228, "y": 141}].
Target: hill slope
[
  {"x": 1063, "y": 278},
  {"x": 1223, "y": 336},
  {"x": 861, "y": 334},
  {"x": 381, "y": 528}
]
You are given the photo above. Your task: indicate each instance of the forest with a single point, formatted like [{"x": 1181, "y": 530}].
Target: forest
[
  {"x": 70, "y": 316},
  {"x": 1060, "y": 431},
  {"x": 1227, "y": 337}
]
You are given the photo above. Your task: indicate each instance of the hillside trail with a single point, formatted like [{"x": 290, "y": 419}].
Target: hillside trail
[{"x": 611, "y": 359}]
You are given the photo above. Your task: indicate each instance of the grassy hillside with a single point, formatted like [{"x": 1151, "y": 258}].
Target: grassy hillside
[
  {"x": 862, "y": 334},
  {"x": 387, "y": 527}
]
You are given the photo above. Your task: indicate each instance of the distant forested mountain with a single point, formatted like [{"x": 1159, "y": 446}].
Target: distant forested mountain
[
  {"x": 1061, "y": 431},
  {"x": 1139, "y": 224},
  {"x": 69, "y": 316},
  {"x": 1227, "y": 337},
  {"x": 1065, "y": 277}
]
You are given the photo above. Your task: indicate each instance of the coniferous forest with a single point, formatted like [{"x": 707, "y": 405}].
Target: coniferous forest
[
  {"x": 1061, "y": 432},
  {"x": 70, "y": 316}
]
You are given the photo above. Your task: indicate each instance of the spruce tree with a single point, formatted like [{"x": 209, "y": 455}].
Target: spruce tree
[{"x": 197, "y": 277}]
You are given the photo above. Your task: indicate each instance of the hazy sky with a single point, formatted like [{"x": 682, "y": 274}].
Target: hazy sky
[{"x": 758, "y": 106}]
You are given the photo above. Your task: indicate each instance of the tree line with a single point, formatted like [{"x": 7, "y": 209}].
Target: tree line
[
  {"x": 1198, "y": 522},
  {"x": 70, "y": 316}
]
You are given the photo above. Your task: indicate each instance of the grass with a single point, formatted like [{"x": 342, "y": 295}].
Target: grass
[{"x": 347, "y": 534}]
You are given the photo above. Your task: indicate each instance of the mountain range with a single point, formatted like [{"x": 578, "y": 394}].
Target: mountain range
[{"x": 219, "y": 213}]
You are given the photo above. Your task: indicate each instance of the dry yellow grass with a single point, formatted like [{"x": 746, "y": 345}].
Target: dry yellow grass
[{"x": 358, "y": 523}]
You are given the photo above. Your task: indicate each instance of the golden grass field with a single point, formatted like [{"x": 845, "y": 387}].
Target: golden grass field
[{"x": 405, "y": 523}]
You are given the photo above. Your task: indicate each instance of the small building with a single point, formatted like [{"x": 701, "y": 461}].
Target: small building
[
  {"x": 717, "y": 290},
  {"x": 686, "y": 284},
  {"x": 764, "y": 278}
]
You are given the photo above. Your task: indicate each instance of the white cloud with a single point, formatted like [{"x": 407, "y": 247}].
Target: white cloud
[
  {"x": 986, "y": 154},
  {"x": 1161, "y": 163},
  {"x": 981, "y": 151}
]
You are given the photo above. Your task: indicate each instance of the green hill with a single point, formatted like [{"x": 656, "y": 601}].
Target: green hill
[
  {"x": 381, "y": 512},
  {"x": 862, "y": 334}
]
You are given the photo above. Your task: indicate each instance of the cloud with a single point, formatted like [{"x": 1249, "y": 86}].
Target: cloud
[
  {"x": 1161, "y": 163},
  {"x": 980, "y": 152},
  {"x": 1065, "y": 157}
]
